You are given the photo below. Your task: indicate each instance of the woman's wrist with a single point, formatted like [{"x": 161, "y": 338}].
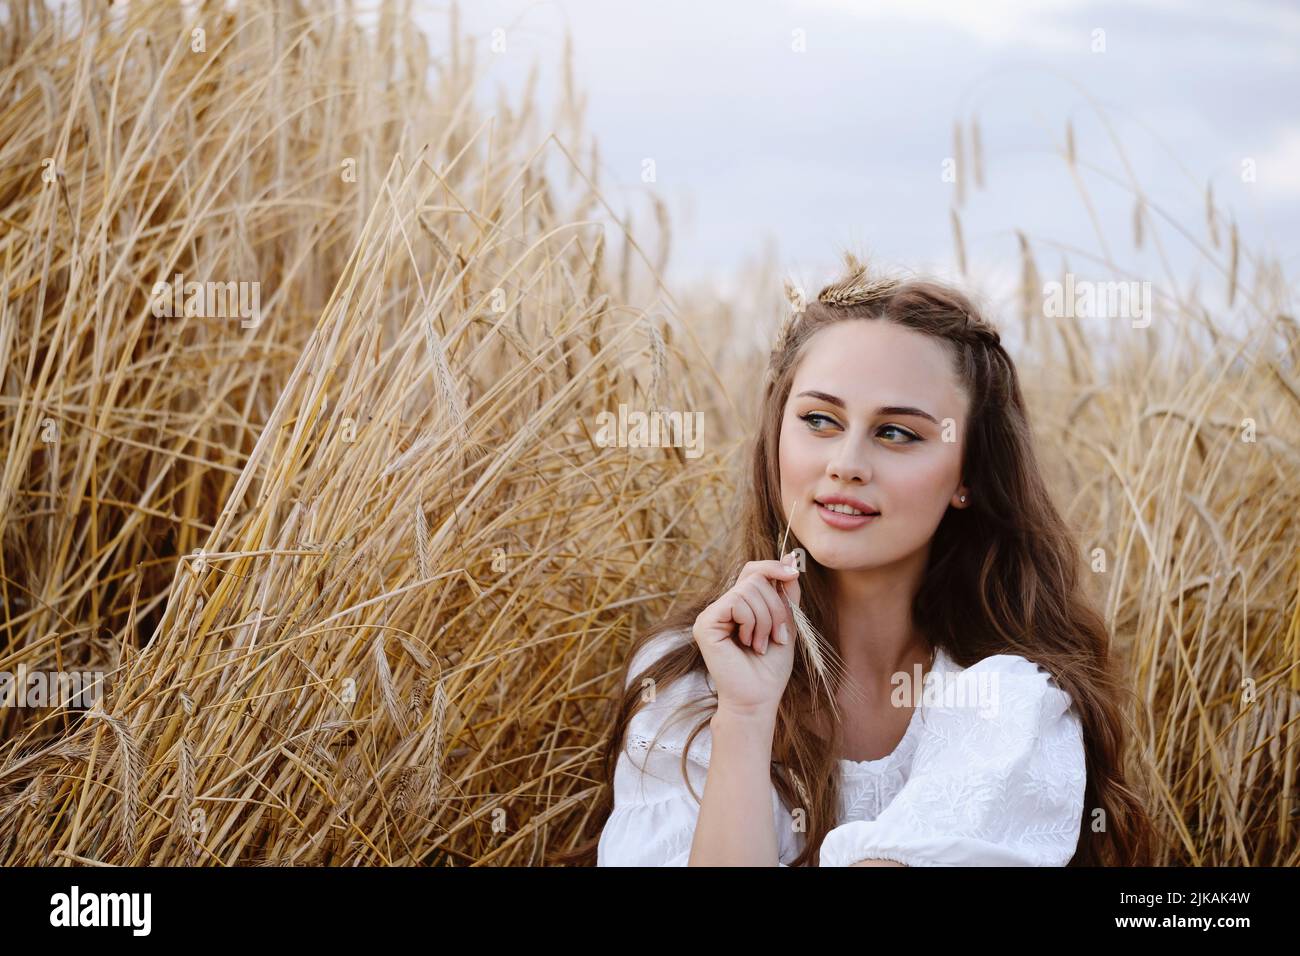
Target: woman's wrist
[{"x": 754, "y": 719}]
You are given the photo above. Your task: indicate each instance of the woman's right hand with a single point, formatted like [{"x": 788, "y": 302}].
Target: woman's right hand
[{"x": 748, "y": 654}]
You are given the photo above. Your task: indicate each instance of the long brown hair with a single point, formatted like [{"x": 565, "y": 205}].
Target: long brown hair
[{"x": 1003, "y": 577}]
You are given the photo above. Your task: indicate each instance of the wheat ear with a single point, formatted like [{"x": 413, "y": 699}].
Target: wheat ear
[{"x": 825, "y": 666}]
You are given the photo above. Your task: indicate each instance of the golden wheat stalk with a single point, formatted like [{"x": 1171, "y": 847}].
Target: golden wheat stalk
[
  {"x": 821, "y": 657},
  {"x": 188, "y": 781},
  {"x": 131, "y": 766},
  {"x": 858, "y": 287}
]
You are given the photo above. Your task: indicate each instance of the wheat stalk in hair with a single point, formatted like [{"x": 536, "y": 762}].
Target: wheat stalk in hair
[{"x": 858, "y": 287}]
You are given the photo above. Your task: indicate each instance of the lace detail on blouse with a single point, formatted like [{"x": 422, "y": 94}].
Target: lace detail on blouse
[{"x": 641, "y": 743}]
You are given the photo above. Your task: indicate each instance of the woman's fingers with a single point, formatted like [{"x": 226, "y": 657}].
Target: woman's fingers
[
  {"x": 743, "y": 615},
  {"x": 752, "y": 591},
  {"x": 756, "y": 606},
  {"x": 757, "y": 583},
  {"x": 772, "y": 570},
  {"x": 777, "y": 614}
]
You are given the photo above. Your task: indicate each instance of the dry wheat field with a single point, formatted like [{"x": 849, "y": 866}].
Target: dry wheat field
[{"x": 339, "y": 536}]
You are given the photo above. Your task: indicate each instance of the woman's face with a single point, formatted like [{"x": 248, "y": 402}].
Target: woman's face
[{"x": 876, "y": 414}]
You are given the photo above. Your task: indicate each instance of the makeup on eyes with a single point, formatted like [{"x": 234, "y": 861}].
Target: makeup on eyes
[{"x": 911, "y": 436}]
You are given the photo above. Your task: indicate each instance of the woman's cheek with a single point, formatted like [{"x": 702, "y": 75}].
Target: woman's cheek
[
  {"x": 913, "y": 497},
  {"x": 796, "y": 463}
]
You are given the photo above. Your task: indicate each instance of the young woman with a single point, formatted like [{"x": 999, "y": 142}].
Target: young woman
[{"x": 895, "y": 442}]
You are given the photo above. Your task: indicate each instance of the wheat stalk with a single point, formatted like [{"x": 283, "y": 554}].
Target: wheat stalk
[
  {"x": 131, "y": 764},
  {"x": 825, "y": 664},
  {"x": 434, "y": 779},
  {"x": 188, "y": 783},
  {"x": 387, "y": 689},
  {"x": 858, "y": 287},
  {"x": 959, "y": 243},
  {"x": 422, "y": 551}
]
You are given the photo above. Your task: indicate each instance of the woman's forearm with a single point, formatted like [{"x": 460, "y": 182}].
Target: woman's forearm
[{"x": 736, "y": 825}]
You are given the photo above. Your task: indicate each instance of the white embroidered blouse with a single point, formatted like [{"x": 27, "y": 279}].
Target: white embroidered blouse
[{"x": 990, "y": 772}]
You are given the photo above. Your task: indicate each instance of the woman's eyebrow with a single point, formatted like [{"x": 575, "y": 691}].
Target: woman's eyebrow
[{"x": 882, "y": 410}]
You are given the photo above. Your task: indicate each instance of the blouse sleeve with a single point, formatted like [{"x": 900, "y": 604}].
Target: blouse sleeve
[
  {"x": 997, "y": 779},
  {"x": 654, "y": 815}
]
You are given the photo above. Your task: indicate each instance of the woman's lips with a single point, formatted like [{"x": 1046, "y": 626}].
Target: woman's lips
[{"x": 844, "y": 522}]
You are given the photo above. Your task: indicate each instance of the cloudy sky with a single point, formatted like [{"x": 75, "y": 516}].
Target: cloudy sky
[{"x": 823, "y": 124}]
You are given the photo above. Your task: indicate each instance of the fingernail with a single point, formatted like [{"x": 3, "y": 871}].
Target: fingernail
[{"x": 783, "y": 634}]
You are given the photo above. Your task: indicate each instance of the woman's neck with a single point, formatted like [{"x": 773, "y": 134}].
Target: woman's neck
[{"x": 876, "y": 636}]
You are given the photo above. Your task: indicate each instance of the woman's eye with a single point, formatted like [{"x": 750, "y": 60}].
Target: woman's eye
[
  {"x": 816, "y": 415},
  {"x": 812, "y": 417},
  {"x": 902, "y": 431}
]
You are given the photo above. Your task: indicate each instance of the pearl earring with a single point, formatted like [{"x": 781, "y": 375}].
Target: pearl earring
[{"x": 963, "y": 498}]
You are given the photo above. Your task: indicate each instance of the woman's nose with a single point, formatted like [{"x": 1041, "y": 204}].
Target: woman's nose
[{"x": 849, "y": 465}]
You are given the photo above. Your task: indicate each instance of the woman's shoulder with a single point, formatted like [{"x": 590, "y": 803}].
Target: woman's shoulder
[
  {"x": 1012, "y": 680},
  {"x": 1004, "y": 719}
]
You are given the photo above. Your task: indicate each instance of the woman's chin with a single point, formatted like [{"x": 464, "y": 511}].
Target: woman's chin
[
  {"x": 834, "y": 558},
  {"x": 849, "y": 564}
]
